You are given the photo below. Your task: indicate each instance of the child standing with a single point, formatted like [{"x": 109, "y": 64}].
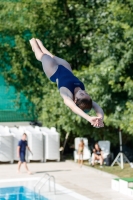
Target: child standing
[{"x": 21, "y": 151}]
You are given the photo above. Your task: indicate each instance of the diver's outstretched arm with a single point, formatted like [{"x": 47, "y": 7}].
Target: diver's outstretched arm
[
  {"x": 95, "y": 121},
  {"x": 98, "y": 110}
]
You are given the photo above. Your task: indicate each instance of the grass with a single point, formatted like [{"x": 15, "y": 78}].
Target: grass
[{"x": 127, "y": 172}]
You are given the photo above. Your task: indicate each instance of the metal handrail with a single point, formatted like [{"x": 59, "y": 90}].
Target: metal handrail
[
  {"x": 40, "y": 180},
  {"x": 48, "y": 179},
  {"x": 54, "y": 184}
]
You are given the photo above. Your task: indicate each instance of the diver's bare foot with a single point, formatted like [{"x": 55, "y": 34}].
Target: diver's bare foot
[
  {"x": 32, "y": 43},
  {"x": 39, "y": 41},
  {"x": 36, "y": 49},
  {"x": 40, "y": 44},
  {"x": 18, "y": 172}
]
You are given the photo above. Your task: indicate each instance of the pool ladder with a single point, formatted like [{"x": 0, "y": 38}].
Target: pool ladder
[{"x": 48, "y": 179}]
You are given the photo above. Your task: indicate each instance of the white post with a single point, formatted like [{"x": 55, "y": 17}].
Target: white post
[
  {"x": 122, "y": 166},
  {"x": 120, "y": 138}
]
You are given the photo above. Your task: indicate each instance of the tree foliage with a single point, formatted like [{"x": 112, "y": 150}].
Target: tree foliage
[
  {"x": 113, "y": 60},
  {"x": 94, "y": 36}
]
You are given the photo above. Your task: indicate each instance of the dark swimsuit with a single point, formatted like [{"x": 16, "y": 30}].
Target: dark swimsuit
[{"x": 66, "y": 79}]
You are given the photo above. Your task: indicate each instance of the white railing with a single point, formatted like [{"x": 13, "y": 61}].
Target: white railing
[{"x": 48, "y": 179}]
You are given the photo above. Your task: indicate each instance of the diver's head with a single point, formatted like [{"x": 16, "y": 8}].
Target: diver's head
[{"x": 83, "y": 100}]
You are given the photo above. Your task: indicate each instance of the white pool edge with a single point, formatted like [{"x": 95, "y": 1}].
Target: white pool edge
[{"x": 58, "y": 187}]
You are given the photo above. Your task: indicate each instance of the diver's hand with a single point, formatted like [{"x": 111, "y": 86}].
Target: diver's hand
[
  {"x": 96, "y": 122},
  {"x": 99, "y": 123}
]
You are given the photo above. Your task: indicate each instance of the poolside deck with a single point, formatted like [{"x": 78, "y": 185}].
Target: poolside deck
[{"x": 89, "y": 182}]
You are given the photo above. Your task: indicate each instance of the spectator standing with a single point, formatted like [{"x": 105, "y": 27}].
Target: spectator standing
[
  {"x": 21, "y": 151},
  {"x": 81, "y": 152}
]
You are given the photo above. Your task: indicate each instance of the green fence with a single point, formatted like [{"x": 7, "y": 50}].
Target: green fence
[{"x": 14, "y": 106}]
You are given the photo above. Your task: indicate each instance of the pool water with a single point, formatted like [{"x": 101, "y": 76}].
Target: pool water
[{"x": 19, "y": 193}]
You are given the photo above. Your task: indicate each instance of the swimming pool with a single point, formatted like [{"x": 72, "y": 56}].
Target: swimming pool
[
  {"x": 19, "y": 193},
  {"x": 22, "y": 189}
]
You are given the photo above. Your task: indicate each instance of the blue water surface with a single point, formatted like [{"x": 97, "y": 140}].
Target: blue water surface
[{"x": 19, "y": 193}]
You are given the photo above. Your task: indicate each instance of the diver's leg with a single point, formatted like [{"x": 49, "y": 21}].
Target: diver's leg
[
  {"x": 43, "y": 49},
  {"x": 49, "y": 64},
  {"x": 58, "y": 60},
  {"x": 63, "y": 62}
]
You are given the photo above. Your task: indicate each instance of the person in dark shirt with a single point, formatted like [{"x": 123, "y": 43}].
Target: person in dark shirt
[
  {"x": 21, "y": 151},
  {"x": 97, "y": 155}
]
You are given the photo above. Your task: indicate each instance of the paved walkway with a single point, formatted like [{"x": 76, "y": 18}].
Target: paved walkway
[{"x": 86, "y": 181}]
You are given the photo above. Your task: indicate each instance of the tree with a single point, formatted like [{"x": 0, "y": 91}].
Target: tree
[
  {"x": 112, "y": 56},
  {"x": 94, "y": 36},
  {"x": 63, "y": 26}
]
